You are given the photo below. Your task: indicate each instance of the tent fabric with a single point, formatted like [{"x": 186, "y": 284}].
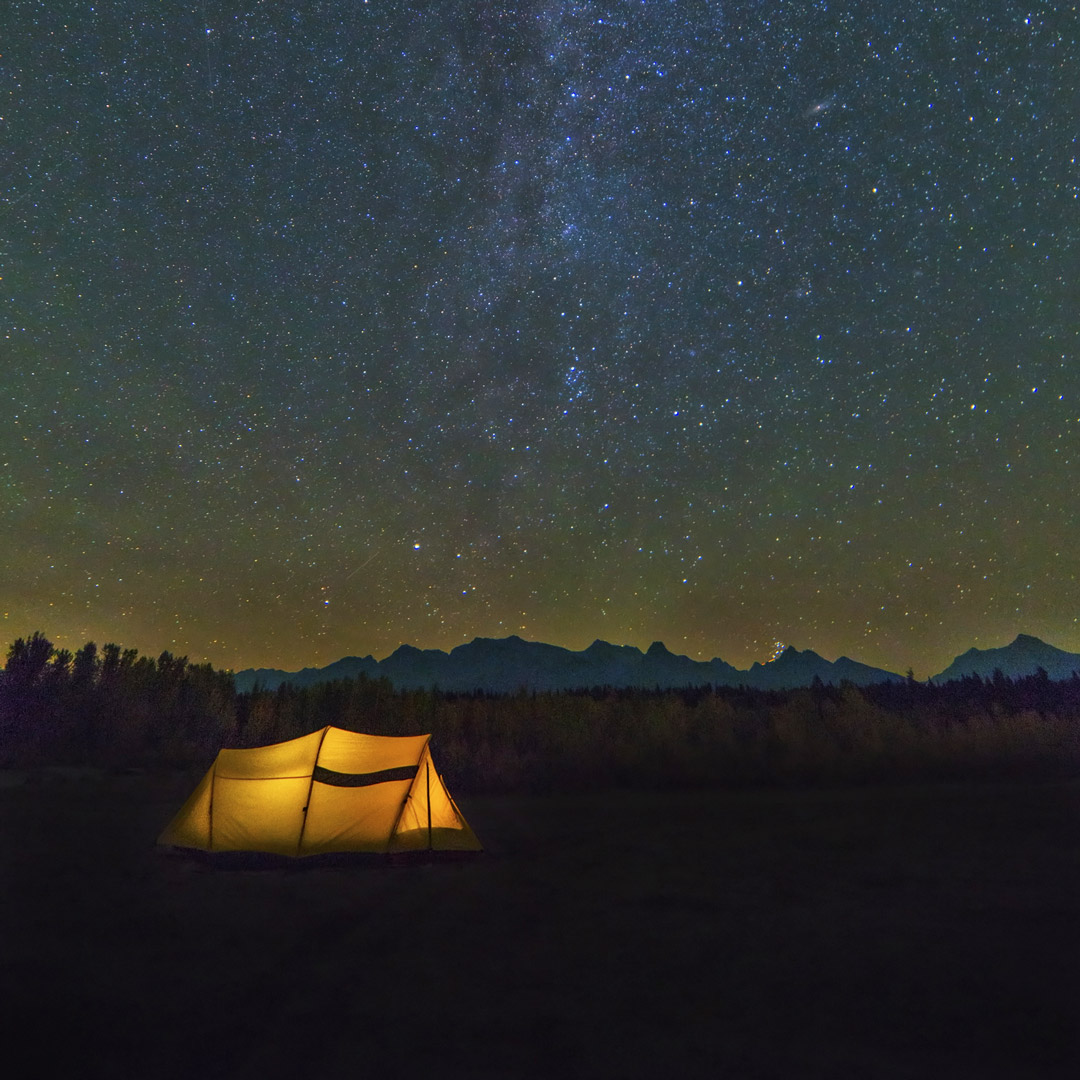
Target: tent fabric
[{"x": 329, "y": 791}]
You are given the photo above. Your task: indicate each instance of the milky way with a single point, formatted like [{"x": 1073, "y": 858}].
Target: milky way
[{"x": 337, "y": 325}]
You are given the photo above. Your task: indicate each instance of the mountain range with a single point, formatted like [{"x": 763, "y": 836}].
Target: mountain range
[{"x": 505, "y": 665}]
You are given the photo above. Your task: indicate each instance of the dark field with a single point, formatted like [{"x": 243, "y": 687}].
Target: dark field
[{"x": 921, "y": 932}]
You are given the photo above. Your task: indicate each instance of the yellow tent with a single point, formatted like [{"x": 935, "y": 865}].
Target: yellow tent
[{"x": 332, "y": 790}]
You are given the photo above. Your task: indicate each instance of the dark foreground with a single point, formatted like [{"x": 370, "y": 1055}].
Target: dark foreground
[{"x": 917, "y": 932}]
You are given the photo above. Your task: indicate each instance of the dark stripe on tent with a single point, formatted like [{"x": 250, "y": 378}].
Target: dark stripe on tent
[{"x": 344, "y": 779}]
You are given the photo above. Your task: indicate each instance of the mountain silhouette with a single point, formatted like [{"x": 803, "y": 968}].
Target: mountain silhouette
[
  {"x": 793, "y": 668},
  {"x": 1024, "y": 656},
  {"x": 348, "y": 667},
  {"x": 506, "y": 665}
]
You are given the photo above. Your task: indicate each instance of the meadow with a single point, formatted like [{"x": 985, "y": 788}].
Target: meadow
[{"x": 919, "y": 930}]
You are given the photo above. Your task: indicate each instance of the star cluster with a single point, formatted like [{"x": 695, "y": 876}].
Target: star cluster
[{"x": 331, "y": 326}]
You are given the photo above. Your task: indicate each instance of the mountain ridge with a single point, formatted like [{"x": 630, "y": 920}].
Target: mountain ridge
[{"x": 506, "y": 665}]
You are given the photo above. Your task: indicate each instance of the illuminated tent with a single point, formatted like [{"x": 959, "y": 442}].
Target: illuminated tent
[{"x": 332, "y": 790}]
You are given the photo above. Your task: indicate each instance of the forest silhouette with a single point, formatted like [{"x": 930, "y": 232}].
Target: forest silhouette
[{"x": 114, "y": 709}]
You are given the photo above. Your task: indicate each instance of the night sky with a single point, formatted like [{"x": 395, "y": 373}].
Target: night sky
[{"x": 332, "y": 326}]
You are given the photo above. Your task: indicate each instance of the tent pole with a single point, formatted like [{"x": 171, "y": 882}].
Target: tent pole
[
  {"x": 427, "y": 777},
  {"x": 210, "y": 831},
  {"x": 310, "y": 788},
  {"x": 408, "y": 795}
]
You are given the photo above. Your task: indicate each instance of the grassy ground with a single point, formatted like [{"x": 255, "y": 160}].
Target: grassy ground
[{"x": 917, "y": 932}]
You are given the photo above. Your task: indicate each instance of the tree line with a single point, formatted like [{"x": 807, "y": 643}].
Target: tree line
[{"x": 114, "y": 709}]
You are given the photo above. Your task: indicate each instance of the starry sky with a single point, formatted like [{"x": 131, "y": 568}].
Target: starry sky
[{"x": 334, "y": 325}]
